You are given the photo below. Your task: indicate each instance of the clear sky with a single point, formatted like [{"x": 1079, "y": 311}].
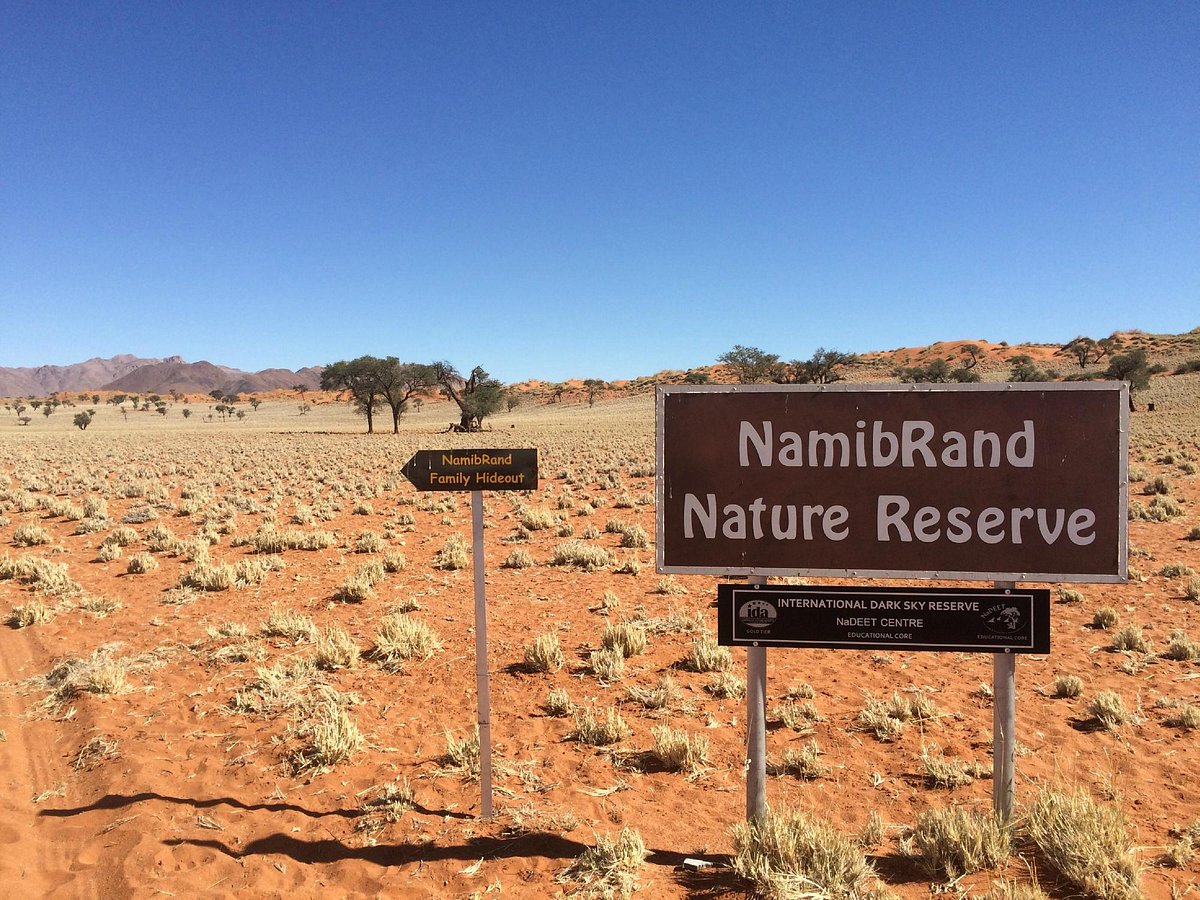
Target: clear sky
[{"x": 590, "y": 189}]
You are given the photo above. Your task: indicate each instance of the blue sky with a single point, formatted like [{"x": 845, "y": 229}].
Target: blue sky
[{"x": 558, "y": 190}]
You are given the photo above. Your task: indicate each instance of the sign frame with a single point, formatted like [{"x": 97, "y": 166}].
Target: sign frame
[
  {"x": 1119, "y": 390},
  {"x": 1035, "y": 640}
]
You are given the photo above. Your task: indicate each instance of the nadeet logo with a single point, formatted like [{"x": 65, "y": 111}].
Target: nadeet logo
[
  {"x": 757, "y": 614},
  {"x": 1003, "y": 618}
]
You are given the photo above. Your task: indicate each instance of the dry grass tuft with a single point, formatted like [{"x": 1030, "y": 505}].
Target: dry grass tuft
[
  {"x": 1109, "y": 709},
  {"x": 804, "y": 763},
  {"x": 628, "y": 638},
  {"x": 601, "y": 732},
  {"x": 335, "y": 650},
  {"x": 789, "y": 854},
  {"x": 558, "y": 703},
  {"x": 456, "y": 554},
  {"x": 678, "y": 751},
  {"x": 956, "y": 842},
  {"x": 1087, "y": 844},
  {"x": 610, "y": 868},
  {"x": 1067, "y": 686},
  {"x": 462, "y": 756},
  {"x": 544, "y": 654},
  {"x": 402, "y": 638},
  {"x": 331, "y": 736},
  {"x": 707, "y": 655}
]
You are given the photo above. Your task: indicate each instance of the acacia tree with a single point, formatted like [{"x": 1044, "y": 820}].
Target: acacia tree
[
  {"x": 750, "y": 365},
  {"x": 1085, "y": 350},
  {"x": 820, "y": 368},
  {"x": 1132, "y": 367},
  {"x": 1025, "y": 369},
  {"x": 360, "y": 379},
  {"x": 937, "y": 372},
  {"x": 399, "y": 382},
  {"x": 477, "y": 396},
  {"x": 594, "y": 387}
]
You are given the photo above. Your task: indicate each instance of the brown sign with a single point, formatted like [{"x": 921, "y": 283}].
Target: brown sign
[
  {"x": 1010, "y": 482},
  {"x": 473, "y": 470}
]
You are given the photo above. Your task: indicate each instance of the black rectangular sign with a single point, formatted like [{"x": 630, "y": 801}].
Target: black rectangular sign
[
  {"x": 969, "y": 620},
  {"x": 473, "y": 470}
]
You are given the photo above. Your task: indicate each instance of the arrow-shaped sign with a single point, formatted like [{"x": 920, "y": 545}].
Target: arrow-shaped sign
[{"x": 473, "y": 470}]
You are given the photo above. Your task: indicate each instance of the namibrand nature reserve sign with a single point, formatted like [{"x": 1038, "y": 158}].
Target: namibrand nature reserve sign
[{"x": 1007, "y": 482}]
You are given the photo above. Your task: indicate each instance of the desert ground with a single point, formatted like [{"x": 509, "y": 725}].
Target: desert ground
[{"x": 240, "y": 661}]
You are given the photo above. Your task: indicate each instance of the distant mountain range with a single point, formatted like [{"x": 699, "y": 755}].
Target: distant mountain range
[{"x": 137, "y": 375}]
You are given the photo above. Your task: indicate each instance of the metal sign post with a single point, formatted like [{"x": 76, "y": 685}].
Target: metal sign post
[
  {"x": 756, "y": 726},
  {"x": 475, "y": 471},
  {"x": 1004, "y": 723},
  {"x": 482, "y": 680}
]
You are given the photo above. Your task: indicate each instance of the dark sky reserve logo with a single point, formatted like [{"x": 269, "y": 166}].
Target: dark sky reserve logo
[
  {"x": 757, "y": 614},
  {"x": 1004, "y": 619}
]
